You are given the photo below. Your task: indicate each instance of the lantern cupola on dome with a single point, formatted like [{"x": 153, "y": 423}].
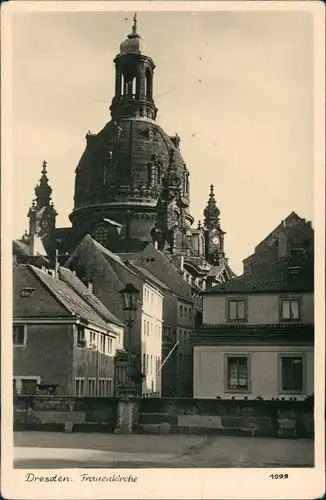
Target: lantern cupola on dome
[{"x": 134, "y": 43}]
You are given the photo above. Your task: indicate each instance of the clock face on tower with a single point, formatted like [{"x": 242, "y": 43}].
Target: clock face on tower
[{"x": 214, "y": 239}]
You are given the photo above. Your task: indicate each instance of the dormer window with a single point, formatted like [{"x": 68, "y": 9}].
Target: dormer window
[{"x": 27, "y": 292}]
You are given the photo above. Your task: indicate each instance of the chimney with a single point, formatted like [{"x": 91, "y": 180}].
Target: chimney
[
  {"x": 56, "y": 263},
  {"x": 32, "y": 245},
  {"x": 309, "y": 223}
]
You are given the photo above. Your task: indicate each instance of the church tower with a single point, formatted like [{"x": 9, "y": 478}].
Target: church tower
[
  {"x": 119, "y": 179},
  {"x": 41, "y": 215},
  {"x": 133, "y": 80},
  {"x": 214, "y": 235}
]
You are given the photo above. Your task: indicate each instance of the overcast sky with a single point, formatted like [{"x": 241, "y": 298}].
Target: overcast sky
[{"x": 239, "y": 92}]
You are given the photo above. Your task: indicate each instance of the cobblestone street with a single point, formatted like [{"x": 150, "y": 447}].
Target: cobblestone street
[{"x": 57, "y": 450}]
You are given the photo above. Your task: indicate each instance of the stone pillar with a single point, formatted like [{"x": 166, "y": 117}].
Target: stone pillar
[
  {"x": 128, "y": 412},
  {"x": 286, "y": 423}
]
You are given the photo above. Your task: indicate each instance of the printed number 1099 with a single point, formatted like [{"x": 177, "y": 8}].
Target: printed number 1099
[{"x": 279, "y": 476}]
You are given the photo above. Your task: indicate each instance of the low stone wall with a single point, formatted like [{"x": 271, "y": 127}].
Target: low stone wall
[
  {"x": 167, "y": 415},
  {"x": 254, "y": 418},
  {"x": 59, "y": 412}
]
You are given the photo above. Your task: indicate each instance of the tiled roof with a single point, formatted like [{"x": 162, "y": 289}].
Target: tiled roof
[
  {"x": 21, "y": 248},
  {"x": 90, "y": 256},
  {"x": 67, "y": 276},
  {"x": 69, "y": 298},
  {"x": 147, "y": 275},
  {"x": 293, "y": 273},
  {"x": 164, "y": 269}
]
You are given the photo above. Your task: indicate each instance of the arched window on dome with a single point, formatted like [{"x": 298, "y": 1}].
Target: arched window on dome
[
  {"x": 122, "y": 83},
  {"x": 100, "y": 234},
  {"x": 185, "y": 182},
  {"x": 148, "y": 84},
  {"x": 133, "y": 87}
]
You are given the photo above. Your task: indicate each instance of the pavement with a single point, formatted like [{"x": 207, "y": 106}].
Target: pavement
[{"x": 46, "y": 450}]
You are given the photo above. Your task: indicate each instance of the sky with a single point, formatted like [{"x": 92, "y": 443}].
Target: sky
[{"x": 237, "y": 87}]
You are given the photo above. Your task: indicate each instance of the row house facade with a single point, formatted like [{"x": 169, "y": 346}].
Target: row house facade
[
  {"x": 257, "y": 336},
  {"x": 108, "y": 274}
]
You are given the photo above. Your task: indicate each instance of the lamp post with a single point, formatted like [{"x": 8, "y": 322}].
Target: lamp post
[
  {"x": 129, "y": 401},
  {"x": 130, "y": 295}
]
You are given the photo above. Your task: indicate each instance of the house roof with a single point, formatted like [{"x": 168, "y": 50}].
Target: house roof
[
  {"x": 147, "y": 275},
  {"x": 89, "y": 255},
  {"x": 68, "y": 277},
  {"x": 291, "y": 273},
  {"x": 69, "y": 299},
  {"x": 164, "y": 269}
]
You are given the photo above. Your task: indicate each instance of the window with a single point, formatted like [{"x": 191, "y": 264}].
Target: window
[
  {"x": 144, "y": 363},
  {"x": 237, "y": 309},
  {"x": 109, "y": 387},
  {"x": 14, "y": 386},
  {"x": 181, "y": 312},
  {"x": 28, "y": 385},
  {"x": 101, "y": 387},
  {"x": 91, "y": 386},
  {"x": 102, "y": 343},
  {"x": 237, "y": 373},
  {"x": 110, "y": 346},
  {"x": 290, "y": 309},
  {"x": 80, "y": 336},
  {"x": 292, "y": 373},
  {"x": 18, "y": 335},
  {"x": 79, "y": 386},
  {"x": 92, "y": 337}
]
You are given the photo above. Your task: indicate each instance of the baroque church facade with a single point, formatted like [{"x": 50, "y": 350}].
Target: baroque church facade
[{"x": 132, "y": 185}]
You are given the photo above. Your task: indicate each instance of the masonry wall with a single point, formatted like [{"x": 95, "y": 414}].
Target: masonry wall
[
  {"x": 262, "y": 309},
  {"x": 210, "y": 376},
  {"x": 36, "y": 358},
  {"x": 168, "y": 415}
]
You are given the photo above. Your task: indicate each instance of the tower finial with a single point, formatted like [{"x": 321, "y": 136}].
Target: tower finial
[
  {"x": 44, "y": 165},
  {"x": 211, "y": 194},
  {"x": 134, "y": 26}
]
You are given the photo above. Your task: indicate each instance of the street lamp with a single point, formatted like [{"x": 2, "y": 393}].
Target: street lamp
[{"x": 130, "y": 295}]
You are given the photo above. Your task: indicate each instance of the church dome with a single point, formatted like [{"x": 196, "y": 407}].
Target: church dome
[{"x": 126, "y": 161}]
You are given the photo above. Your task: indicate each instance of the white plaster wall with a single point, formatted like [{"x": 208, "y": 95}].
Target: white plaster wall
[
  {"x": 262, "y": 309},
  {"x": 209, "y": 371}
]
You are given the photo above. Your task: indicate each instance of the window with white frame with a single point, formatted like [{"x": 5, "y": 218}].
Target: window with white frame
[
  {"x": 101, "y": 386},
  {"x": 79, "y": 386},
  {"x": 92, "y": 338},
  {"x": 91, "y": 386},
  {"x": 290, "y": 309},
  {"x": 237, "y": 373},
  {"x": 19, "y": 335},
  {"x": 110, "y": 346},
  {"x": 237, "y": 309},
  {"x": 102, "y": 343},
  {"x": 26, "y": 384}
]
